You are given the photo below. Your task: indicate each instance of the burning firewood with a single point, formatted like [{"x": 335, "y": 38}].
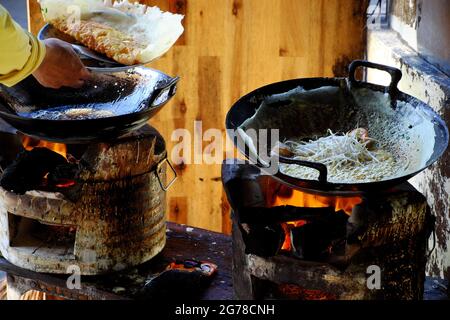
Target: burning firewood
[{"x": 29, "y": 169}]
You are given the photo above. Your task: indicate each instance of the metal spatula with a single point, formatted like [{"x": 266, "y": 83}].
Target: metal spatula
[{"x": 82, "y": 50}]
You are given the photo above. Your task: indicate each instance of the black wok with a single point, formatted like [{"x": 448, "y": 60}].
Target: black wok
[
  {"x": 340, "y": 111},
  {"x": 126, "y": 100}
]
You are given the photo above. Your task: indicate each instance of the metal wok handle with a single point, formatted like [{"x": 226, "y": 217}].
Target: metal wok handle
[
  {"x": 170, "y": 86},
  {"x": 396, "y": 74},
  {"x": 159, "y": 169},
  {"x": 323, "y": 171}
]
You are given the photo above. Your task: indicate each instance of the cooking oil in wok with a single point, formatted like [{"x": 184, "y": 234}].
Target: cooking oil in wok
[{"x": 67, "y": 113}]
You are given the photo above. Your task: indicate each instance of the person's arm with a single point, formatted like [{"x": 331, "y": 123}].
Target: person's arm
[
  {"x": 20, "y": 52},
  {"x": 52, "y": 62}
]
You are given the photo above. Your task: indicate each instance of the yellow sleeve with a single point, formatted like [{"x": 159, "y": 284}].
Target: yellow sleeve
[{"x": 21, "y": 53}]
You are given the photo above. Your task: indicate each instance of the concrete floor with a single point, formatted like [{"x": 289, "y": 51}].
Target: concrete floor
[{"x": 18, "y": 10}]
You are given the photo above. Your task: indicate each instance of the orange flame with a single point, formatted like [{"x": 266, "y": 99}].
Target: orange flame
[
  {"x": 301, "y": 199},
  {"x": 30, "y": 143}
]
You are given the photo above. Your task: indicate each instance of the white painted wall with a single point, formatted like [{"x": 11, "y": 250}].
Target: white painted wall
[
  {"x": 429, "y": 84},
  {"x": 429, "y": 33}
]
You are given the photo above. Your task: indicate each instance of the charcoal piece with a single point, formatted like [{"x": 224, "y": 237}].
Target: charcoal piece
[
  {"x": 314, "y": 240},
  {"x": 263, "y": 240},
  {"x": 10, "y": 147},
  {"x": 264, "y": 234},
  {"x": 29, "y": 169},
  {"x": 63, "y": 172}
]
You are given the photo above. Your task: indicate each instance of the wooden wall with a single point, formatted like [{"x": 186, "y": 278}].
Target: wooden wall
[{"x": 229, "y": 48}]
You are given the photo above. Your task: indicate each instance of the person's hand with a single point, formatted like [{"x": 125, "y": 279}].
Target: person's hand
[{"x": 61, "y": 66}]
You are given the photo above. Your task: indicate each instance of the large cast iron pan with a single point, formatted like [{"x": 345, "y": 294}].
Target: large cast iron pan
[
  {"x": 316, "y": 121},
  {"x": 131, "y": 98}
]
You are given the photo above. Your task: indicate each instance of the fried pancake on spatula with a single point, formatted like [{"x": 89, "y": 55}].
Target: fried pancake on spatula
[
  {"x": 128, "y": 33},
  {"x": 104, "y": 39}
]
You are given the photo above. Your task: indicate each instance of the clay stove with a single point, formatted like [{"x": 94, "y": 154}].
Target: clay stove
[
  {"x": 289, "y": 244},
  {"x": 99, "y": 207}
]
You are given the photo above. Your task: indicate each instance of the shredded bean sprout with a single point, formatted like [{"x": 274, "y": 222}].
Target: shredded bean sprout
[{"x": 351, "y": 157}]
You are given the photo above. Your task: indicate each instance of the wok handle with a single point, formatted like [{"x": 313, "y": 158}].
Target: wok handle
[
  {"x": 323, "y": 171},
  {"x": 170, "y": 86},
  {"x": 159, "y": 169},
  {"x": 396, "y": 74}
]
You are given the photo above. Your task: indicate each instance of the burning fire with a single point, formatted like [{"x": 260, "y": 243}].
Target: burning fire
[
  {"x": 301, "y": 199},
  {"x": 60, "y": 148},
  {"x": 66, "y": 183},
  {"x": 30, "y": 143}
]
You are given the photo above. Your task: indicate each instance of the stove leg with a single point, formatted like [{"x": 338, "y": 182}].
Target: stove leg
[{"x": 242, "y": 280}]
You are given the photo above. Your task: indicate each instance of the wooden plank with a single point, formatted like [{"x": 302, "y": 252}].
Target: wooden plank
[
  {"x": 233, "y": 47},
  {"x": 178, "y": 209},
  {"x": 35, "y": 22}
]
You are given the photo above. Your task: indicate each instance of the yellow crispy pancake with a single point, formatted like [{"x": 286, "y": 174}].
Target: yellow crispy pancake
[
  {"x": 104, "y": 39},
  {"x": 127, "y": 32}
]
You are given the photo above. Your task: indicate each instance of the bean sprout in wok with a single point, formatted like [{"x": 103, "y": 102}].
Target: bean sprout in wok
[{"x": 349, "y": 157}]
